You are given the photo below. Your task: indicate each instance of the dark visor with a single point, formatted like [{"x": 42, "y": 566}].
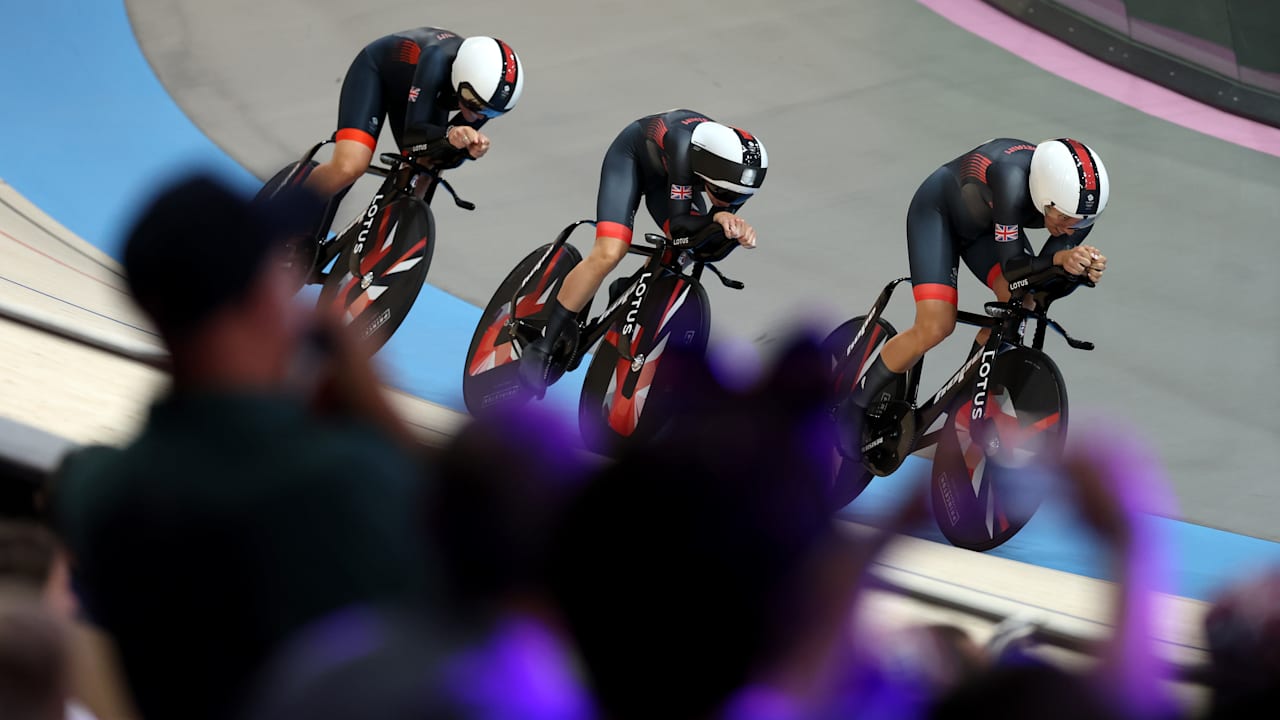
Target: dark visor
[
  {"x": 473, "y": 102},
  {"x": 728, "y": 196}
]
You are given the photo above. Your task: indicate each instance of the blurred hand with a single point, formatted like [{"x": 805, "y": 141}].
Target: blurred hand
[{"x": 348, "y": 385}]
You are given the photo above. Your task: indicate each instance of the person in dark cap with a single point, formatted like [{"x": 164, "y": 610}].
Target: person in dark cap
[{"x": 241, "y": 512}]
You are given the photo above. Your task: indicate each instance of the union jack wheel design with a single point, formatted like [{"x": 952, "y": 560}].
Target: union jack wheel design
[
  {"x": 628, "y": 400},
  {"x": 489, "y": 378},
  {"x": 986, "y": 483},
  {"x": 392, "y": 264}
]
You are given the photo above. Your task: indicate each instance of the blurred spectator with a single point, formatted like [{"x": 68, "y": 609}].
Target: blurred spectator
[
  {"x": 1115, "y": 484},
  {"x": 32, "y": 561},
  {"x": 1042, "y": 692},
  {"x": 18, "y": 489},
  {"x": 504, "y": 485},
  {"x": 682, "y": 568},
  {"x": 1243, "y": 629},
  {"x": 236, "y": 516},
  {"x": 501, "y": 489},
  {"x": 901, "y": 673},
  {"x": 35, "y": 664},
  {"x": 32, "y": 557}
]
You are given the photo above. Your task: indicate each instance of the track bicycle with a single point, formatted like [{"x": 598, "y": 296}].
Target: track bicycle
[
  {"x": 661, "y": 306},
  {"x": 380, "y": 259},
  {"x": 1001, "y": 412}
]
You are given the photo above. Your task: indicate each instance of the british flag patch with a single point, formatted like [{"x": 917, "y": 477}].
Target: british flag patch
[
  {"x": 681, "y": 192},
  {"x": 1006, "y": 233},
  {"x": 413, "y": 94}
]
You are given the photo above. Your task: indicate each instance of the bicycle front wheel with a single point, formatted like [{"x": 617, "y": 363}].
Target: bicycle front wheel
[
  {"x": 985, "y": 487},
  {"x": 629, "y": 401}
]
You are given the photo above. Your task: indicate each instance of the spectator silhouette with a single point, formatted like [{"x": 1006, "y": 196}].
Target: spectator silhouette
[
  {"x": 681, "y": 567},
  {"x": 237, "y": 515}
]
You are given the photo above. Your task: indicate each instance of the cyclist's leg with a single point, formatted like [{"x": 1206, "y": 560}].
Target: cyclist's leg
[
  {"x": 360, "y": 116},
  {"x": 616, "y": 203},
  {"x": 618, "y": 198},
  {"x": 934, "y": 258}
]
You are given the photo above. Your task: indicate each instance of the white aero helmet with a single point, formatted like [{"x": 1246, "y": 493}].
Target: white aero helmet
[
  {"x": 487, "y": 76},
  {"x": 1069, "y": 176},
  {"x": 732, "y": 161}
]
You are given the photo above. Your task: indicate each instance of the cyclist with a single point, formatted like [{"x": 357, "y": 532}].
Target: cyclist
[
  {"x": 417, "y": 78},
  {"x": 977, "y": 207},
  {"x": 672, "y": 159}
]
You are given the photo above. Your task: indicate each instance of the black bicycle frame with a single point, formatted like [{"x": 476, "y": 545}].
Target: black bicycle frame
[
  {"x": 402, "y": 175},
  {"x": 1007, "y": 322},
  {"x": 665, "y": 257}
]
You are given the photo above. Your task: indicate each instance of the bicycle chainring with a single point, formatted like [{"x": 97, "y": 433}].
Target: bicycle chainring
[{"x": 888, "y": 436}]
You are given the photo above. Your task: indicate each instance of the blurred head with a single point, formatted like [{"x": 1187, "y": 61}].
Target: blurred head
[
  {"x": 32, "y": 558},
  {"x": 684, "y": 566},
  {"x": 202, "y": 259},
  {"x": 34, "y": 659},
  {"x": 1027, "y": 691},
  {"x": 487, "y": 77},
  {"x": 501, "y": 489},
  {"x": 1243, "y": 629},
  {"x": 1069, "y": 184}
]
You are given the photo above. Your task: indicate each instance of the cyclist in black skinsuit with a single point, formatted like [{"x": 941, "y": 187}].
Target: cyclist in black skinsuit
[
  {"x": 416, "y": 78},
  {"x": 976, "y": 207},
  {"x": 670, "y": 158}
]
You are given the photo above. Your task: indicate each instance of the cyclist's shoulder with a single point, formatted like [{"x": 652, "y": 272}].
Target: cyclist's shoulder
[
  {"x": 1003, "y": 150},
  {"x": 678, "y": 118},
  {"x": 1010, "y": 160},
  {"x": 426, "y": 39}
]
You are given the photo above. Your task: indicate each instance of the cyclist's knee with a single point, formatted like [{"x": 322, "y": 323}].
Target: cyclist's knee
[
  {"x": 349, "y": 161},
  {"x": 608, "y": 252},
  {"x": 346, "y": 172},
  {"x": 934, "y": 327}
]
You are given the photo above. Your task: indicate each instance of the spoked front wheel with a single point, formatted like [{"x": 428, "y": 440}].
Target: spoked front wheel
[
  {"x": 985, "y": 480},
  {"x": 392, "y": 253},
  {"x": 491, "y": 376},
  {"x": 629, "y": 400}
]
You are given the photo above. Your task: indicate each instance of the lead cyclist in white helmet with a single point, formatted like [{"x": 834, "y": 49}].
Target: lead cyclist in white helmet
[
  {"x": 691, "y": 171},
  {"x": 977, "y": 208},
  {"x": 430, "y": 84}
]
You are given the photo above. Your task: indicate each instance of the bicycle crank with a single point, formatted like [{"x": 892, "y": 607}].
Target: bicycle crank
[{"x": 888, "y": 438}]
